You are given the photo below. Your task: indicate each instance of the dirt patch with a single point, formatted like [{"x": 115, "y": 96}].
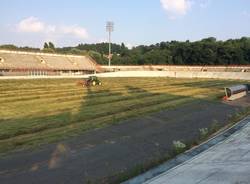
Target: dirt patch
[{"x": 100, "y": 153}]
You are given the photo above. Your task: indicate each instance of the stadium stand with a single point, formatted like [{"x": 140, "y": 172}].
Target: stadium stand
[
  {"x": 16, "y": 63},
  {"x": 179, "y": 68}
]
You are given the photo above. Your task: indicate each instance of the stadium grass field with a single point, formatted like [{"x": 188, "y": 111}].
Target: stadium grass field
[{"x": 35, "y": 112}]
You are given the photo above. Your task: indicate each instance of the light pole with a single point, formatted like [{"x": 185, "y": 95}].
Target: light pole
[{"x": 110, "y": 29}]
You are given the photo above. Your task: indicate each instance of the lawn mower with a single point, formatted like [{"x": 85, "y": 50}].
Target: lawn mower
[{"x": 91, "y": 81}]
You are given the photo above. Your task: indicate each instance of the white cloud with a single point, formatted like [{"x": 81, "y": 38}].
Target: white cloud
[
  {"x": 31, "y": 25},
  {"x": 50, "y": 29},
  {"x": 34, "y": 25},
  {"x": 76, "y": 31},
  {"x": 175, "y": 8}
]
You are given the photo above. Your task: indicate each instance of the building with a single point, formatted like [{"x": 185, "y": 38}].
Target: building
[{"x": 17, "y": 63}]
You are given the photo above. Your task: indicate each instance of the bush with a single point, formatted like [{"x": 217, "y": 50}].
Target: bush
[
  {"x": 214, "y": 127},
  {"x": 179, "y": 147},
  {"x": 204, "y": 132}
]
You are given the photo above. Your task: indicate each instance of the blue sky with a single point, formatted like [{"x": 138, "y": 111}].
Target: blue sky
[{"x": 68, "y": 23}]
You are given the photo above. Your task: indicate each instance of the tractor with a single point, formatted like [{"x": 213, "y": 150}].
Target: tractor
[{"x": 92, "y": 81}]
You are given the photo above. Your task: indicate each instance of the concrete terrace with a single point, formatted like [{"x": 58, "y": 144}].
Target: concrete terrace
[{"x": 227, "y": 162}]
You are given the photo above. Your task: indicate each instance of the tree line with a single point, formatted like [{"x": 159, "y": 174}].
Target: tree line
[{"x": 208, "y": 51}]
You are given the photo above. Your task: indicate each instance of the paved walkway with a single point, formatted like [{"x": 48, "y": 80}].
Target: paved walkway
[{"x": 225, "y": 163}]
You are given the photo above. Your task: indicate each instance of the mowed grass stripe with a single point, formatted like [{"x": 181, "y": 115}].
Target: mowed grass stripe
[
  {"x": 80, "y": 93},
  {"x": 87, "y": 114},
  {"x": 61, "y": 102},
  {"x": 59, "y": 108},
  {"x": 64, "y": 119},
  {"x": 55, "y": 90},
  {"x": 55, "y": 134},
  {"x": 76, "y": 92},
  {"x": 58, "y": 88},
  {"x": 72, "y": 83},
  {"x": 35, "y": 88},
  {"x": 47, "y": 83},
  {"x": 34, "y": 104},
  {"x": 41, "y": 108}
]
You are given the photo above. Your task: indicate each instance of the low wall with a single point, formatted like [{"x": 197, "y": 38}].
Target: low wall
[
  {"x": 186, "y": 68},
  {"x": 180, "y": 74},
  {"x": 44, "y": 77}
]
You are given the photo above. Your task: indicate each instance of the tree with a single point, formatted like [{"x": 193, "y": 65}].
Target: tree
[
  {"x": 49, "y": 50},
  {"x": 51, "y": 46},
  {"x": 124, "y": 50},
  {"x": 45, "y": 46},
  {"x": 208, "y": 51}
]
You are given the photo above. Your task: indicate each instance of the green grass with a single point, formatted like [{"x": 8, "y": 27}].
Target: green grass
[{"x": 35, "y": 112}]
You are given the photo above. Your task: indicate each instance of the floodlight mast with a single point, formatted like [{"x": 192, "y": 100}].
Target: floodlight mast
[{"x": 110, "y": 29}]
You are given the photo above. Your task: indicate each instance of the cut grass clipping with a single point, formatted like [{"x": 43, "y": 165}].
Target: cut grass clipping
[{"x": 35, "y": 112}]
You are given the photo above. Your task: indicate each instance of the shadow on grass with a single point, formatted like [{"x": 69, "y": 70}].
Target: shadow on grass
[
  {"x": 15, "y": 127},
  {"x": 208, "y": 84},
  {"x": 94, "y": 106},
  {"x": 92, "y": 109}
]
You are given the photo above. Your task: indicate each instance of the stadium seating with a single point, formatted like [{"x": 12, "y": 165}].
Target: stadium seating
[
  {"x": 21, "y": 61},
  {"x": 28, "y": 63},
  {"x": 77, "y": 61},
  {"x": 179, "y": 68}
]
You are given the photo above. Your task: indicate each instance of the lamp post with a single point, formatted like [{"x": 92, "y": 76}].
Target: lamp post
[{"x": 110, "y": 29}]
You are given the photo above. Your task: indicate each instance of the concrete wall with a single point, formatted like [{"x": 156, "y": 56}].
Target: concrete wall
[
  {"x": 210, "y": 75},
  {"x": 243, "y": 68},
  {"x": 180, "y": 74}
]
